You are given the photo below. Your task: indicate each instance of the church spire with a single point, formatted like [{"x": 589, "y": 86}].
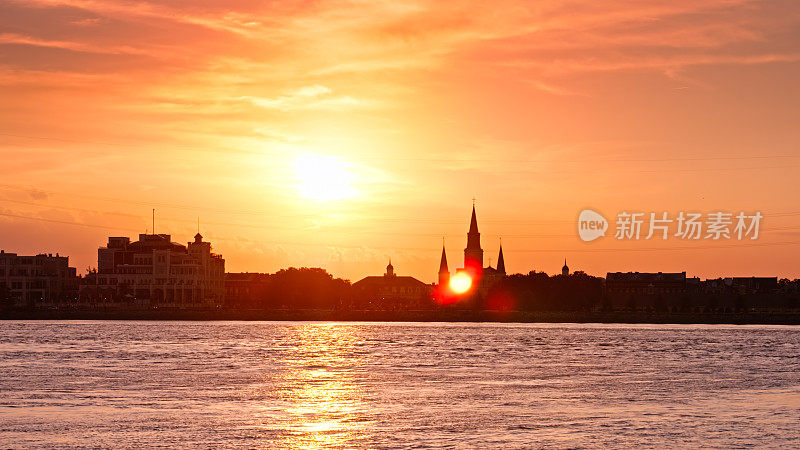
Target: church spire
[
  {"x": 389, "y": 269},
  {"x": 473, "y": 254},
  {"x": 443, "y": 263},
  {"x": 473, "y": 223},
  {"x": 501, "y": 263},
  {"x": 444, "y": 271}
]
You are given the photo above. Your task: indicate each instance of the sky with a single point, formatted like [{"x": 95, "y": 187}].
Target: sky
[{"x": 339, "y": 134}]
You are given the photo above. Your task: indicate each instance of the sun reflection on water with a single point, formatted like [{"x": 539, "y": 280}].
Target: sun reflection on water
[{"x": 323, "y": 404}]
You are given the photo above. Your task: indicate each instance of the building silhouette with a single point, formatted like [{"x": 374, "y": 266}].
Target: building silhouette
[
  {"x": 637, "y": 290},
  {"x": 483, "y": 277},
  {"x": 501, "y": 262},
  {"x": 444, "y": 272},
  {"x": 245, "y": 288},
  {"x": 391, "y": 291},
  {"x": 565, "y": 268},
  {"x": 473, "y": 253},
  {"x": 156, "y": 271},
  {"x": 36, "y": 280}
]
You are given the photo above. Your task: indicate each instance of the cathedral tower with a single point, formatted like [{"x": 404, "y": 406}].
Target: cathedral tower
[
  {"x": 473, "y": 254},
  {"x": 501, "y": 263},
  {"x": 444, "y": 271}
]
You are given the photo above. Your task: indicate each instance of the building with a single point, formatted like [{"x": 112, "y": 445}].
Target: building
[
  {"x": 644, "y": 283},
  {"x": 491, "y": 275},
  {"x": 36, "y": 280},
  {"x": 565, "y": 268},
  {"x": 473, "y": 253},
  {"x": 391, "y": 291},
  {"x": 483, "y": 277},
  {"x": 444, "y": 271},
  {"x": 155, "y": 271},
  {"x": 753, "y": 285},
  {"x": 245, "y": 289},
  {"x": 642, "y": 290}
]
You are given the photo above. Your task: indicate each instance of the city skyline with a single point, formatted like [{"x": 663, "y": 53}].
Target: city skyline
[
  {"x": 473, "y": 256},
  {"x": 316, "y": 136}
]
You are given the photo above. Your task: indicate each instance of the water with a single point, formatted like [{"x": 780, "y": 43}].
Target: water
[{"x": 261, "y": 384}]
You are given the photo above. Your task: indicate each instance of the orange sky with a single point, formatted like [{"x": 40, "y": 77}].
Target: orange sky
[{"x": 338, "y": 134}]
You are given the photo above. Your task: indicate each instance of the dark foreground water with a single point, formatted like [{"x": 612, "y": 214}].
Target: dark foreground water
[{"x": 257, "y": 384}]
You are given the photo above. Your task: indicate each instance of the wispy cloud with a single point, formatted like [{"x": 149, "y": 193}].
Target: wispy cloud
[
  {"x": 306, "y": 98},
  {"x": 13, "y": 38},
  {"x": 438, "y": 97},
  {"x": 330, "y": 38}
]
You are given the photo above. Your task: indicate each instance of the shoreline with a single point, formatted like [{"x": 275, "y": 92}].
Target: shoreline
[{"x": 789, "y": 318}]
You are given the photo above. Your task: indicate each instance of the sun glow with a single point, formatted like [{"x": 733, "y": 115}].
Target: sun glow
[
  {"x": 460, "y": 283},
  {"x": 323, "y": 178}
]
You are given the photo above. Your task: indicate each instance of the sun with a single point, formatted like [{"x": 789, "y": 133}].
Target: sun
[
  {"x": 460, "y": 283},
  {"x": 323, "y": 177}
]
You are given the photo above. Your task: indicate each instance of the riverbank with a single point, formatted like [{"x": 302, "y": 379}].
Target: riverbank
[{"x": 790, "y": 318}]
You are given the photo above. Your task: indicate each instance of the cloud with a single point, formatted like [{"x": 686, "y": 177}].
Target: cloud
[
  {"x": 205, "y": 100},
  {"x": 305, "y": 98},
  {"x": 321, "y": 41},
  {"x": 172, "y": 70},
  {"x": 12, "y": 38}
]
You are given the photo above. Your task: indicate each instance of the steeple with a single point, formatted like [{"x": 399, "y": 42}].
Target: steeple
[
  {"x": 501, "y": 264},
  {"x": 198, "y": 237},
  {"x": 473, "y": 253},
  {"x": 565, "y": 269},
  {"x": 444, "y": 271},
  {"x": 473, "y": 223},
  {"x": 390, "y": 269},
  {"x": 443, "y": 263}
]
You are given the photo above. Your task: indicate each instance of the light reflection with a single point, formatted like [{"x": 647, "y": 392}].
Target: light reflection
[{"x": 324, "y": 406}]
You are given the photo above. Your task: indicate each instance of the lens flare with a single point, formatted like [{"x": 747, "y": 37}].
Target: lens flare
[{"x": 460, "y": 283}]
